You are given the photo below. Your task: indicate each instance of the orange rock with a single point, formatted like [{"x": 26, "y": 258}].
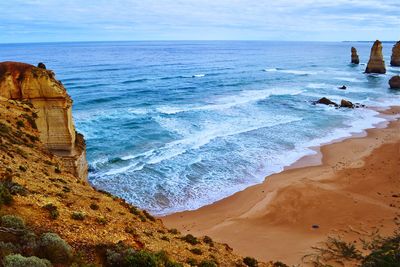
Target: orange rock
[
  {"x": 354, "y": 56},
  {"x": 395, "y": 60},
  {"x": 376, "y": 64}
]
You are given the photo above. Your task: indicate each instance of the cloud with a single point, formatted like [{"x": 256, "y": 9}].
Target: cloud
[{"x": 74, "y": 20}]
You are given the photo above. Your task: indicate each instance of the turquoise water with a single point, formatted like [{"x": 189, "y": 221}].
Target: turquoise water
[{"x": 173, "y": 126}]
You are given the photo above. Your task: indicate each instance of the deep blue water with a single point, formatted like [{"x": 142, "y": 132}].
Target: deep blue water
[{"x": 172, "y": 126}]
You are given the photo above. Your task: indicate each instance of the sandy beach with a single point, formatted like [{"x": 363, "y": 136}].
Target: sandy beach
[{"x": 351, "y": 188}]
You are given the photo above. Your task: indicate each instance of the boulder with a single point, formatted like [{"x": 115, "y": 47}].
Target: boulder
[
  {"x": 41, "y": 65},
  {"x": 395, "y": 60},
  {"x": 20, "y": 81},
  {"x": 394, "y": 82},
  {"x": 343, "y": 87},
  {"x": 346, "y": 104},
  {"x": 354, "y": 56},
  {"x": 376, "y": 64},
  {"x": 326, "y": 101}
]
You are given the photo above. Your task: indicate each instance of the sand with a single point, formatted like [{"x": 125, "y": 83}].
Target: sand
[{"x": 349, "y": 189}]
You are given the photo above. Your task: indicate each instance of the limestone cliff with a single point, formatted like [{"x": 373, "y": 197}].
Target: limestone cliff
[
  {"x": 354, "y": 56},
  {"x": 20, "y": 81},
  {"x": 376, "y": 64},
  {"x": 395, "y": 61}
]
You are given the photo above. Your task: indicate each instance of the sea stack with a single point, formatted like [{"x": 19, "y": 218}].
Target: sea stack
[
  {"x": 376, "y": 64},
  {"x": 354, "y": 56},
  {"x": 38, "y": 86},
  {"x": 394, "y": 82},
  {"x": 395, "y": 60}
]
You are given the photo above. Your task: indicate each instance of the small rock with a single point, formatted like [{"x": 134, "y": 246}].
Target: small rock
[
  {"x": 326, "y": 101},
  {"x": 343, "y": 87},
  {"x": 315, "y": 226},
  {"x": 346, "y": 104}
]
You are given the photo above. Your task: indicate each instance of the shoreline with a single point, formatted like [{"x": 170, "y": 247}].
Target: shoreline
[{"x": 272, "y": 220}]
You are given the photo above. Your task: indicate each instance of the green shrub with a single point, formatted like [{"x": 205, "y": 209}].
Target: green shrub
[
  {"x": 192, "y": 262},
  {"x": 208, "y": 241},
  {"x": 207, "y": 263},
  {"x": 149, "y": 216},
  {"x": 251, "y": 262},
  {"x": 101, "y": 220},
  {"x": 23, "y": 168},
  {"x": 5, "y": 195},
  {"x": 54, "y": 248},
  {"x": 20, "y": 124},
  {"x": 4, "y": 129},
  {"x": 79, "y": 216},
  {"x": 196, "y": 251},
  {"x": 190, "y": 239},
  {"x": 53, "y": 211},
  {"x": 142, "y": 258},
  {"x": 17, "y": 260},
  {"x": 7, "y": 248},
  {"x": 12, "y": 221},
  {"x": 385, "y": 254},
  {"x": 94, "y": 206},
  {"x": 173, "y": 231}
]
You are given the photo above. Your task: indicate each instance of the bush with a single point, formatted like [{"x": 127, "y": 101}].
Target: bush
[
  {"x": 251, "y": 262},
  {"x": 7, "y": 249},
  {"x": 52, "y": 209},
  {"x": 190, "y": 239},
  {"x": 11, "y": 221},
  {"x": 79, "y": 216},
  {"x": 196, "y": 251},
  {"x": 208, "y": 241},
  {"x": 20, "y": 124},
  {"x": 149, "y": 216},
  {"x": 54, "y": 248},
  {"x": 94, "y": 206},
  {"x": 17, "y": 260},
  {"x": 206, "y": 263},
  {"x": 5, "y": 195}
]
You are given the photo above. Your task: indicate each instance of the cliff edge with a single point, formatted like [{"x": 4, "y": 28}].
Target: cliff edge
[{"x": 53, "y": 106}]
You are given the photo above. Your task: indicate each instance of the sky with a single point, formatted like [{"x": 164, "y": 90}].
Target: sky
[{"x": 119, "y": 20}]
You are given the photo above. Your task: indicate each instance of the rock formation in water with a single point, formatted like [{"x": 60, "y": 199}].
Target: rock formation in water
[
  {"x": 354, "y": 56},
  {"x": 376, "y": 64},
  {"x": 346, "y": 104},
  {"x": 326, "y": 101},
  {"x": 394, "y": 82},
  {"x": 20, "y": 81},
  {"x": 395, "y": 60}
]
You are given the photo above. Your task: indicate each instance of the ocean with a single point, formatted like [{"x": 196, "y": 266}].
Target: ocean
[{"x": 173, "y": 126}]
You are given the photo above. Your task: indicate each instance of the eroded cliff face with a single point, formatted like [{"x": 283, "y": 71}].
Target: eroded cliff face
[
  {"x": 376, "y": 64},
  {"x": 395, "y": 60},
  {"x": 20, "y": 81}
]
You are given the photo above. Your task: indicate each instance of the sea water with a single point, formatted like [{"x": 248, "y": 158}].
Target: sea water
[{"x": 173, "y": 126}]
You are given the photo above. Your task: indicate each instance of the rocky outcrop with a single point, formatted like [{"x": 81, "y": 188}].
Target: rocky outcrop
[
  {"x": 376, "y": 64},
  {"x": 326, "y": 101},
  {"x": 346, "y": 104},
  {"x": 395, "y": 60},
  {"x": 394, "y": 82},
  {"x": 20, "y": 81},
  {"x": 354, "y": 56}
]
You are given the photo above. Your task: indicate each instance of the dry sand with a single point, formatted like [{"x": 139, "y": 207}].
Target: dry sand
[{"x": 350, "y": 193}]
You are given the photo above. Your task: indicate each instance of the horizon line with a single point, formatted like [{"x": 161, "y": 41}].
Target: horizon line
[{"x": 182, "y": 40}]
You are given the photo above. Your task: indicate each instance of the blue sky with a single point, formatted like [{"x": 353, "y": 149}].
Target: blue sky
[{"x": 102, "y": 20}]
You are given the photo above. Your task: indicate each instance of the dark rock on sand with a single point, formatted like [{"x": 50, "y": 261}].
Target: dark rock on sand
[
  {"x": 354, "y": 56},
  {"x": 376, "y": 64},
  {"x": 394, "y": 82}
]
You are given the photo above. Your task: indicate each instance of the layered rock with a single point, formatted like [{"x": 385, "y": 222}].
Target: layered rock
[
  {"x": 394, "y": 82},
  {"x": 376, "y": 64},
  {"x": 395, "y": 60},
  {"x": 20, "y": 81},
  {"x": 354, "y": 56}
]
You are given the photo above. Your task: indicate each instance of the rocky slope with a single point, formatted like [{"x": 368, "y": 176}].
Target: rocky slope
[
  {"x": 376, "y": 64},
  {"x": 35, "y": 125}
]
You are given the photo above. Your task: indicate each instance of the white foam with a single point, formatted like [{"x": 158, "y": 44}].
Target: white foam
[
  {"x": 231, "y": 101},
  {"x": 198, "y": 75},
  {"x": 295, "y": 72}
]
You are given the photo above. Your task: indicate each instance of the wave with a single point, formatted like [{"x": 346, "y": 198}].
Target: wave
[
  {"x": 196, "y": 141},
  {"x": 348, "y": 79},
  {"x": 135, "y": 81},
  {"x": 198, "y": 75},
  {"x": 228, "y": 102},
  {"x": 294, "y": 72}
]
